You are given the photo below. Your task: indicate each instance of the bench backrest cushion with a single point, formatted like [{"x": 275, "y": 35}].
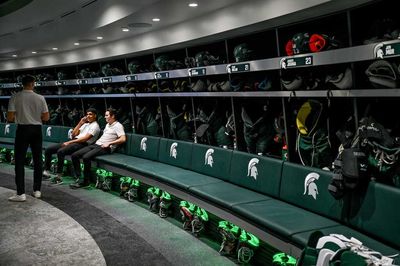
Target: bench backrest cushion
[
  {"x": 126, "y": 147},
  {"x": 175, "y": 152},
  {"x": 211, "y": 161},
  {"x": 258, "y": 173},
  {"x": 65, "y": 134},
  {"x": 51, "y": 133},
  {"x": 307, "y": 188},
  {"x": 376, "y": 210},
  {"x": 7, "y": 130},
  {"x": 145, "y": 146}
]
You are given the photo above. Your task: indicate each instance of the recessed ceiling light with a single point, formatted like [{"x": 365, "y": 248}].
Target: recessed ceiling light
[
  {"x": 99, "y": 38},
  {"x": 33, "y": 52},
  {"x": 193, "y": 4},
  {"x": 125, "y": 29},
  {"x": 14, "y": 55},
  {"x": 76, "y": 43},
  {"x": 54, "y": 48},
  {"x": 156, "y": 19}
]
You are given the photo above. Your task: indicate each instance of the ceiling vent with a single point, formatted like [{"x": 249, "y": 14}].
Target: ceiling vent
[
  {"x": 6, "y": 34},
  {"x": 87, "y": 41},
  {"x": 88, "y": 3},
  {"x": 67, "y": 14},
  {"x": 139, "y": 25},
  {"x": 26, "y": 29},
  {"x": 46, "y": 22}
]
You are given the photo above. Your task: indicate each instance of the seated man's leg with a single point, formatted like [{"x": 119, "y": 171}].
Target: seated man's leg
[
  {"x": 75, "y": 158},
  {"x": 66, "y": 150},
  {"x": 87, "y": 160},
  {"x": 48, "y": 153}
]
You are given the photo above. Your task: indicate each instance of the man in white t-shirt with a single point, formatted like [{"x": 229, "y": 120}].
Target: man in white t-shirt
[
  {"x": 85, "y": 133},
  {"x": 113, "y": 136}
]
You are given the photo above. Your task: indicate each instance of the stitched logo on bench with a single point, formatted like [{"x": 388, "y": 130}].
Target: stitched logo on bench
[
  {"x": 7, "y": 129},
  {"x": 70, "y": 133},
  {"x": 172, "y": 151},
  {"x": 252, "y": 168},
  {"x": 310, "y": 187},
  {"x": 209, "y": 160},
  {"x": 48, "y": 132},
  {"x": 143, "y": 144}
]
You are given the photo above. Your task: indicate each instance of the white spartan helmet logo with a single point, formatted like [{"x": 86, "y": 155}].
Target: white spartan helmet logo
[
  {"x": 252, "y": 169},
  {"x": 7, "y": 129},
  {"x": 208, "y": 160},
  {"x": 48, "y": 132},
  {"x": 309, "y": 186},
  {"x": 172, "y": 151},
  {"x": 70, "y": 133},
  {"x": 143, "y": 145}
]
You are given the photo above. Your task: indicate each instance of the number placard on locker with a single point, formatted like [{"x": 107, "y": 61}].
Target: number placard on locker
[{"x": 298, "y": 61}]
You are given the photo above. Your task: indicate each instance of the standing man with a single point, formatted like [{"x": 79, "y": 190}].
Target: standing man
[
  {"x": 113, "y": 136},
  {"x": 28, "y": 109},
  {"x": 85, "y": 133}
]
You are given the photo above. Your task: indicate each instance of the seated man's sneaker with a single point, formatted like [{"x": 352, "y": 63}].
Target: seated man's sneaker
[
  {"x": 46, "y": 174},
  {"x": 79, "y": 185},
  {"x": 18, "y": 198},
  {"x": 56, "y": 180},
  {"x": 37, "y": 194}
]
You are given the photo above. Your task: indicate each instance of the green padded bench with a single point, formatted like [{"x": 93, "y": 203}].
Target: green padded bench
[
  {"x": 305, "y": 205},
  {"x": 148, "y": 156},
  {"x": 7, "y": 134},
  {"x": 54, "y": 135},
  {"x": 287, "y": 200}
]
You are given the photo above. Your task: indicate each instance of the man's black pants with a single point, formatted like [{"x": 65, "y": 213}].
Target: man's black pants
[
  {"x": 61, "y": 152},
  {"x": 28, "y": 136},
  {"x": 87, "y": 154}
]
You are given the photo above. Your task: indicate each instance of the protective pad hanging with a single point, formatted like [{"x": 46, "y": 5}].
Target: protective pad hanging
[{"x": 383, "y": 74}]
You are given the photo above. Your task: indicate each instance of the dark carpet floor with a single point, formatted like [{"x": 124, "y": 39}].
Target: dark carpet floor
[{"x": 119, "y": 244}]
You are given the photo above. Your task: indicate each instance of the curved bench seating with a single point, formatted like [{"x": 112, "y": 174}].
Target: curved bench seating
[{"x": 281, "y": 202}]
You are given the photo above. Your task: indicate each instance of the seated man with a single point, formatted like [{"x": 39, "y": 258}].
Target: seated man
[
  {"x": 85, "y": 133},
  {"x": 113, "y": 135}
]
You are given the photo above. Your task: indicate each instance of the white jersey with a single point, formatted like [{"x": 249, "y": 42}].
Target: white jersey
[
  {"x": 89, "y": 128},
  {"x": 111, "y": 132}
]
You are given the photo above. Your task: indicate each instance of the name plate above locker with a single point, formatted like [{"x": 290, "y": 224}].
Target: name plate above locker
[
  {"x": 82, "y": 81},
  {"x": 60, "y": 82},
  {"x": 161, "y": 75},
  {"x": 106, "y": 80},
  {"x": 236, "y": 68},
  {"x": 387, "y": 49},
  {"x": 296, "y": 61},
  {"x": 131, "y": 78},
  {"x": 195, "y": 72}
]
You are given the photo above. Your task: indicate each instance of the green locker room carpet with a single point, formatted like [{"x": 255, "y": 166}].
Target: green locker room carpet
[{"x": 60, "y": 229}]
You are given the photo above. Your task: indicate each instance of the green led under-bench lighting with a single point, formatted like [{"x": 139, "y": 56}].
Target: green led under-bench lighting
[
  {"x": 236, "y": 240},
  {"x": 282, "y": 259}
]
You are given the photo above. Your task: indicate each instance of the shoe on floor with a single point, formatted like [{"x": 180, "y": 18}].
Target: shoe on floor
[
  {"x": 46, "y": 174},
  {"x": 37, "y": 194},
  {"x": 56, "y": 180},
  {"x": 78, "y": 185},
  {"x": 18, "y": 198}
]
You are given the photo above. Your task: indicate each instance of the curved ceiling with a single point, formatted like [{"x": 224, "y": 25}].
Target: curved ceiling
[{"x": 43, "y": 25}]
